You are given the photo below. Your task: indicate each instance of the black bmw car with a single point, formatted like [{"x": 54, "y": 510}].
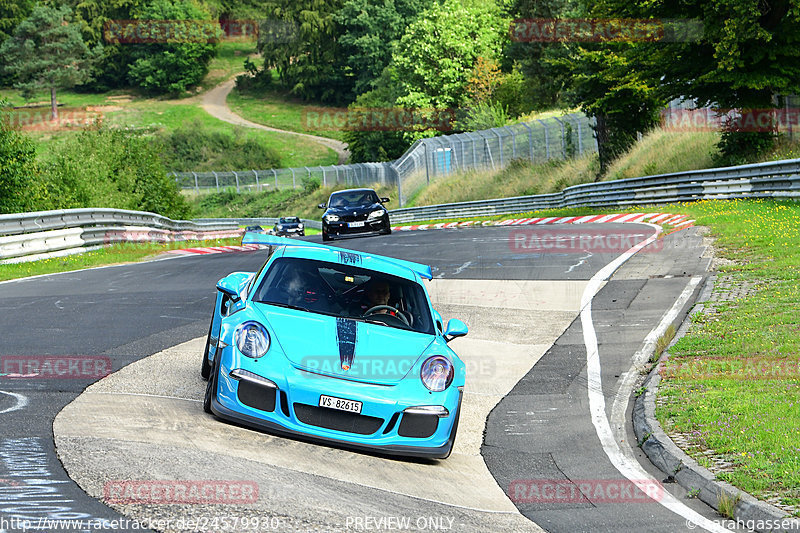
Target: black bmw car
[{"x": 354, "y": 211}]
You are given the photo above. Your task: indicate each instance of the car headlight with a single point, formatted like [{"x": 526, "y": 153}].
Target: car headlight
[
  {"x": 279, "y": 227},
  {"x": 331, "y": 218},
  {"x": 437, "y": 373},
  {"x": 300, "y": 226},
  {"x": 376, "y": 214},
  {"x": 252, "y": 339}
]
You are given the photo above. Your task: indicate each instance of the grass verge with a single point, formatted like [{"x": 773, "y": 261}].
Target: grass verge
[
  {"x": 273, "y": 107},
  {"x": 110, "y": 255},
  {"x": 732, "y": 384}
]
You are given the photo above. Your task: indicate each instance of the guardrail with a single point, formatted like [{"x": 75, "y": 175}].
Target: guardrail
[
  {"x": 775, "y": 179},
  {"x": 48, "y": 233},
  {"x": 265, "y": 222}
]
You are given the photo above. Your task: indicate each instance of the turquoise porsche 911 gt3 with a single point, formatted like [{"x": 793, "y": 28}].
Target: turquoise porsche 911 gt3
[{"x": 336, "y": 346}]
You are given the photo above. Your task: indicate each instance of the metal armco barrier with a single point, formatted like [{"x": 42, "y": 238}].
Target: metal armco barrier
[
  {"x": 30, "y": 234},
  {"x": 775, "y": 179},
  {"x": 38, "y": 234}
]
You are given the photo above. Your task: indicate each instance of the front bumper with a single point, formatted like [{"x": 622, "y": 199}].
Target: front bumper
[
  {"x": 290, "y": 406},
  {"x": 343, "y": 228}
]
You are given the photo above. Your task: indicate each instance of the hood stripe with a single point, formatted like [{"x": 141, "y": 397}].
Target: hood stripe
[{"x": 346, "y": 339}]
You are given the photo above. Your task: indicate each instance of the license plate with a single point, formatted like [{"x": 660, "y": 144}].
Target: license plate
[
  {"x": 355, "y": 224},
  {"x": 341, "y": 404}
]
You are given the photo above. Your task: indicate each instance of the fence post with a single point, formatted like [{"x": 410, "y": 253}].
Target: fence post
[
  {"x": 530, "y": 140},
  {"x": 196, "y": 184},
  {"x": 500, "y": 146},
  {"x": 580, "y": 138},
  {"x": 258, "y": 187},
  {"x": 294, "y": 185},
  {"x": 546, "y": 139},
  {"x": 276, "y": 178},
  {"x": 324, "y": 181},
  {"x": 488, "y": 151},
  {"x": 216, "y": 179},
  {"x": 563, "y": 139},
  {"x": 427, "y": 170},
  {"x": 235, "y": 175},
  {"x": 394, "y": 169}
]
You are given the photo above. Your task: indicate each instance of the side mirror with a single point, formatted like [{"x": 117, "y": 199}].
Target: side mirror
[
  {"x": 322, "y": 205},
  {"x": 234, "y": 284},
  {"x": 455, "y": 328},
  {"x": 384, "y": 200}
]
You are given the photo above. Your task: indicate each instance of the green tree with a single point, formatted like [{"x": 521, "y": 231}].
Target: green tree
[
  {"x": 12, "y": 12},
  {"x": 607, "y": 86},
  {"x": 46, "y": 51},
  {"x": 96, "y": 18},
  {"x": 181, "y": 61},
  {"x": 304, "y": 49},
  {"x": 369, "y": 31},
  {"x": 546, "y": 85},
  {"x": 19, "y": 190},
  {"x": 365, "y": 145},
  {"x": 735, "y": 54},
  {"x": 435, "y": 57}
]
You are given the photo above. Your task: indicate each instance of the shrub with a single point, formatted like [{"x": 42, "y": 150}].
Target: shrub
[
  {"x": 111, "y": 168},
  {"x": 172, "y": 67},
  {"x": 194, "y": 147},
  {"x": 20, "y": 189}
]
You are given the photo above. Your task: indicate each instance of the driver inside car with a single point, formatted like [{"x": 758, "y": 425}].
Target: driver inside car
[{"x": 376, "y": 293}]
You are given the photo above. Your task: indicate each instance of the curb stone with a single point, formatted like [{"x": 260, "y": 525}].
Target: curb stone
[{"x": 678, "y": 466}]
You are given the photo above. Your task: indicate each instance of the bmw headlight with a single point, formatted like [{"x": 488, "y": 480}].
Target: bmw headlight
[
  {"x": 300, "y": 226},
  {"x": 331, "y": 218},
  {"x": 376, "y": 214},
  {"x": 437, "y": 373},
  {"x": 252, "y": 339}
]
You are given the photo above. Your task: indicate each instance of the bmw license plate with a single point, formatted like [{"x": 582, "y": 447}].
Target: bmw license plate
[
  {"x": 355, "y": 224},
  {"x": 341, "y": 404}
]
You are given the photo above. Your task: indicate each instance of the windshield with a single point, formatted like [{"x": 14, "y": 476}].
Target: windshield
[
  {"x": 288, "y": 220},
  {"x": 346, "y": 291},
  {"x": 353, "y": 198}
]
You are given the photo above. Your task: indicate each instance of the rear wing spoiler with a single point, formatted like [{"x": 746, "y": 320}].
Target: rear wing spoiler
[{"x": 424, "y": 271}]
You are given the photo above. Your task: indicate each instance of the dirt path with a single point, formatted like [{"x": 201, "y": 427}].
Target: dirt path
[{"x": 215, "y": 104}]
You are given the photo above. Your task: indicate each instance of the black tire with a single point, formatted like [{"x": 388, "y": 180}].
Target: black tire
[
  {"x": 211, "y": 387},
  {"x": 326, "y": 237},
  {"x": 205, "y": 369},
  {"x": 387, "y": 230}
]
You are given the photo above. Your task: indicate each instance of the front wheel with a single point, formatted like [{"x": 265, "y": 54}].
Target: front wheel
[
  {"x": 387, "y": 230},
  {"x": 326, "y": 237},
  {"x": 211, "y": 387},
  {"x": 205, "y": 369}
]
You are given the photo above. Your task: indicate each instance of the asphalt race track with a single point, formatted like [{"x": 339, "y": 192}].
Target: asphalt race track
[{"x": 535, "y": 395}]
